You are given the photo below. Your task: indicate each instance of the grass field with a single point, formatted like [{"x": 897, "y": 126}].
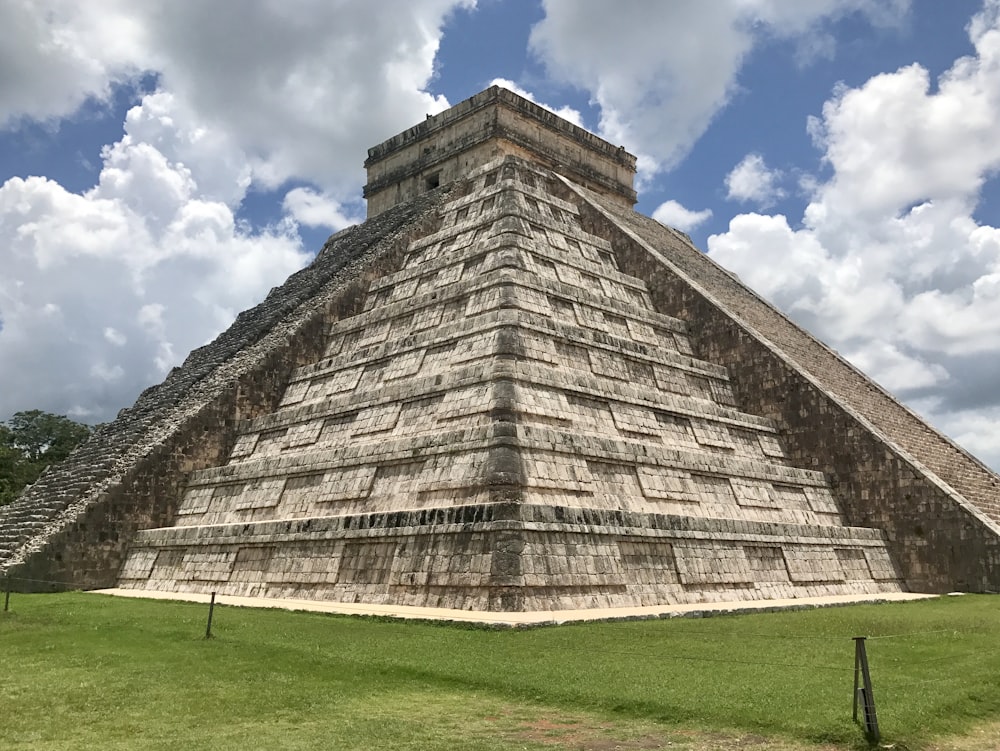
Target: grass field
[{"x": 83, "y": 671}]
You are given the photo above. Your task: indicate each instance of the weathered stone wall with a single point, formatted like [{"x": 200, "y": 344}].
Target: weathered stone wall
[
  {"x": 513, "y": 557},
  {"x": 72, "y": 526},
  {"x": 938, "y": 505}
]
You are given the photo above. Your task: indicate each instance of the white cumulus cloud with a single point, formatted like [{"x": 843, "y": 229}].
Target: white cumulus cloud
[
  {"x": 313, "y": 209},
  {"x": 674, "y": 214},
  {"x": 752, "y": 181}
]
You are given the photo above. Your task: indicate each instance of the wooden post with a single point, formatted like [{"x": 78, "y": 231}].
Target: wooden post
[
  {"x": 6, "y": 593},
  {"x": 211, "y": 608},
  {"x": 864, "y": 693}
]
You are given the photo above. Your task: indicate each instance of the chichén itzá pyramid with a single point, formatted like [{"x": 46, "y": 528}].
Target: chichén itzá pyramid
[{"x": 508, "y": 391}]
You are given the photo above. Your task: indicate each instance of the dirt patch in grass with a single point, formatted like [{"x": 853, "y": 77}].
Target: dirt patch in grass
[
  {"x": 587, "y": 737},
  {"x": 985, "y": 737},
  {"x": 584, "y": 733}
]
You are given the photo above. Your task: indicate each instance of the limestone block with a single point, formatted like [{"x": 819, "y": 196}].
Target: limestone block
[
  {"x": 244, "y": 445},
  {"x": 631, "y": 418},
  {"x": 336, "y": 430},
  {"x": 767, "y": 562},
  {"x": 536, "y": 402},
  {"x": 398, "y": 481},
  {"x": 672, "y": 380},
  {"x": 295, "y": 393},
  {"x": 770, "y": 445},
  {"x": 590, "y": 414},
  {"x": 614, "y": 483},
  {"x": 642, "y": 332},
  {"x": 813, "y": 564},
  {"x": 418, "y": 415},
  {"x": 303, "y": 434},
  {"x": 821, "y": 500},
  {"x": 260, "y": 492},
  {"x": 459, "y": 403},
  {"x": 590, "y": 317},
  {"x": 676, "y": 430},
  {"x": 722, "y": 392},
  {"x": 572, "y": 356},
  {"x": 208, "y": 565},
  {"x": 404, "y": 365},
  {"x": 711, "y": 434},
  {"x": 604, "y": 364},
  {"x": 366, "y": 563},
  {"x": 853, "y": 563},
  {"x": 750, "y": 492},
  {"x": 374, "y": 333},
  {"x": 446, "y": 471},
  {"x": 615, "y": 291},
  {"x": 426, "y": 283},
  {"x": 700, "y": 564},
  {"x": 663, "y": 483},
  {"x": 568, "y": 275},
  {"x": 301, "y": 493},
  {"x": 449, "y": 275},
  {"x": 377, "y": 419},
  {"x": 483, "y": 300},
  {"x": 575, "y": 247},
  {"x": 252, "y": 561},
  {"x": 139, "y": 564},
  {"x": 556, "y": 470},
  {"x": 616, "y": 325},
  {"x": 592, "y": 284},
  {"x": 680, "y": 341},
  {"x": 655, "y": 558},
  {"x": 714, "y": 490},
  {"x": 880, "y": 564},
  {"x": 539, "y": 348},
  {"x": 437, "y": 360},
  {"x": 335, "y": 383},
  {"x": 427, "y": 317},
  {"x": 405, "y": 289},
  {"x": 533, "y": 301},
  {"x": 196, "y": 500},
  {"x": 790, "y": 496},
  {"x": 563, "y": 310},
  {"x": 476, "y": 346}
]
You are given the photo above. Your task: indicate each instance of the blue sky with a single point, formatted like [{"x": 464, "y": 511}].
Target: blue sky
[{"x": 164, "y": 164}]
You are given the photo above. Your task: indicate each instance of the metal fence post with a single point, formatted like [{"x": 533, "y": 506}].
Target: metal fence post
[
  {"x": 863, "y": 694},
  {"x": 211, "y": 609}
]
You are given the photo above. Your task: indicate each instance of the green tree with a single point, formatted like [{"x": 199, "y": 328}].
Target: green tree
[{"x": 29, "y": 442}]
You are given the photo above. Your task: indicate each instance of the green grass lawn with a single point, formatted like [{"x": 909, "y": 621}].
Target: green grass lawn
[{"x": 88, "y": 671}]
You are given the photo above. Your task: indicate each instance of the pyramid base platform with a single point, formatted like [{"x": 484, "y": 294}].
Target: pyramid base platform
[
  {"x": 527, "y": 618},
  {"x": 513, "y": 558}
]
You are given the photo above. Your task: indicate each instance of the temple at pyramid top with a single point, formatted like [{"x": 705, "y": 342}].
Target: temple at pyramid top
[{"x": 492, "y": 124}]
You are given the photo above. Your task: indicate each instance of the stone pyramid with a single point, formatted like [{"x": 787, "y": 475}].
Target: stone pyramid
[{"x": 508, "y": 391}]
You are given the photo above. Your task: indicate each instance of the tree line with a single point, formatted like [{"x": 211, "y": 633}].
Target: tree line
[{"x": 29, "y": 442}]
